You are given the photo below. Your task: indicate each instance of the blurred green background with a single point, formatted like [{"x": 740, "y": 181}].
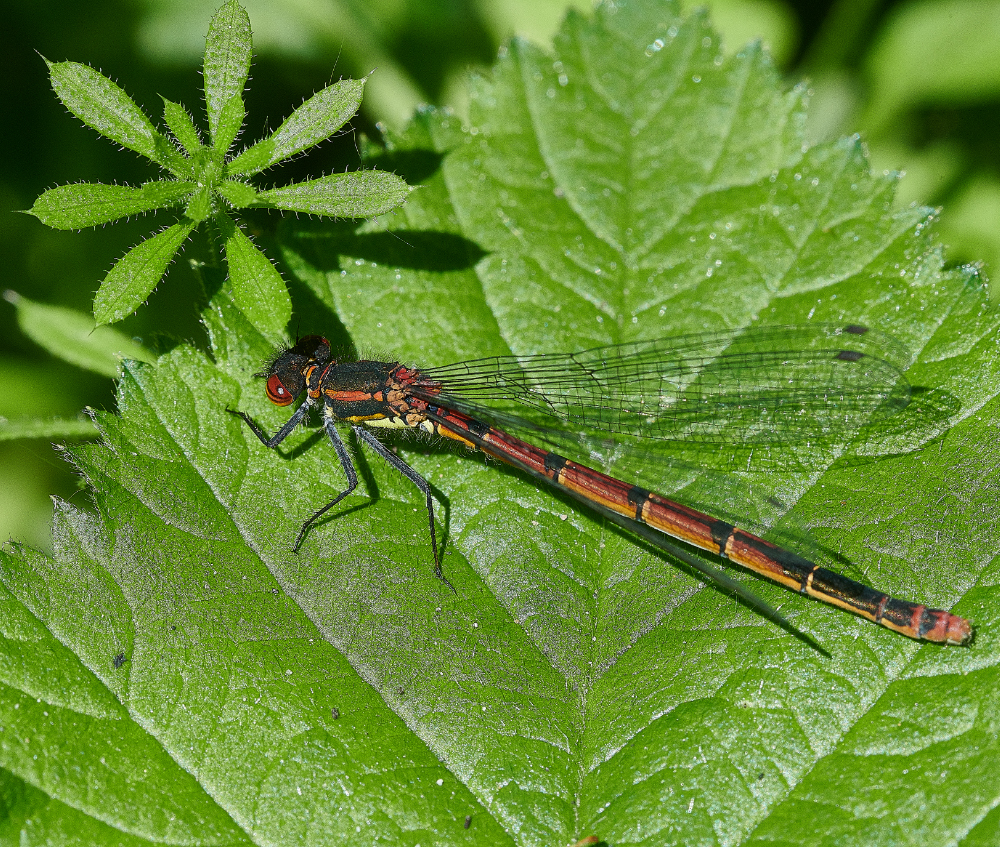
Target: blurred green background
[{"x": 918, "y": 79}]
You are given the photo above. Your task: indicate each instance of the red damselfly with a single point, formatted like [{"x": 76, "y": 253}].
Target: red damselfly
[{"x": 805, "y": 389}]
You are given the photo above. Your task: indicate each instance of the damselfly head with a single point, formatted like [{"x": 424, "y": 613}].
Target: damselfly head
[{"x": 286, "y": 371}]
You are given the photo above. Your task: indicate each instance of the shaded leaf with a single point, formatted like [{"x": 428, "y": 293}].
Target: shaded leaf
[
  {"x": 13, "y": 429},
  {"x": 72, "y": 336},
  {"x": 924, "y": 56}
]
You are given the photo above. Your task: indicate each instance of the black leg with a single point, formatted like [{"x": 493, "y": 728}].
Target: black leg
[
  {"x": 417, "y": 480},
  {"x": 282, "y": 433},
  {"x": 349, "y": 472}
]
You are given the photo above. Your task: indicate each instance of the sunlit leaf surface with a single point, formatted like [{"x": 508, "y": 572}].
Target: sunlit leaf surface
[{"x": 216, "y": 688}]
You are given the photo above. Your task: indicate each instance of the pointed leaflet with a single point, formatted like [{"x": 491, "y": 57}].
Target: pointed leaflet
[
  {"x": 258, "y": 288},
  {"x": 88, "y": 204},
  {"x": 227, "y": 65},
  {"x": 230, "y": 122},
  {"x": 103, "y": 106},
  {"x": 136, "y": 274},
  {"x": 181, "y": 125},
  {"x": 238, "y": 194},
  {"x": 359, "y": 194},
  {"x": 312, "y": 122}
]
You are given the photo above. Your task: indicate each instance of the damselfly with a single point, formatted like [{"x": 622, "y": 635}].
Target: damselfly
[{"x": 807, "y": 388}]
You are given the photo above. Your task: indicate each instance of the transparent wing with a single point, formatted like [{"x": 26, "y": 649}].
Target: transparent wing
[{"x": 811, "y": 388}]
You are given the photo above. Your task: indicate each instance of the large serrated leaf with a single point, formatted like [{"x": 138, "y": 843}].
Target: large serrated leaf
[{"x": 632, "y": 185}]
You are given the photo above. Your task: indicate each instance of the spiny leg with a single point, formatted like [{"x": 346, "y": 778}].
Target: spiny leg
[
  {"x": 418, "y": 481},
  {"x": 349, "y": 472},
  {"x": 281, "y": 434}
]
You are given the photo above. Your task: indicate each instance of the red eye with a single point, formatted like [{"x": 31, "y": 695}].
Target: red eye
[{"x": 277, "y": 393}]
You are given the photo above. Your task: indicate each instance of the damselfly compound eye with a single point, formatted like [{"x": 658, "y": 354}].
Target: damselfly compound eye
[{"x": 277, "y": 393}]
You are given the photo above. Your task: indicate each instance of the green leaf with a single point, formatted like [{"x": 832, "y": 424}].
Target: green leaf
[
  {"x": 258, "y": 288},
  {"x": 208, "y": 179},
  {"x": 72, "y": 336},
  {"x": 181, "y": 125},
  {"x": 199, "y": 208},
  {"x": 230, "y": 122},
  {"x": 90, "y": 204},
  {"x": 361, "y": 194},
  {"x": 136, "y": 274},
  {"x": 103, "y": 106},
  {"x": 123, "y": 782},
  {"x": 633, "y": 185},
  {"x": 14, "y": 429},
  {"x": 238, "y": 193},
  {"x": 314, "y": 121},
  {"x": 228, "y": 51}
]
